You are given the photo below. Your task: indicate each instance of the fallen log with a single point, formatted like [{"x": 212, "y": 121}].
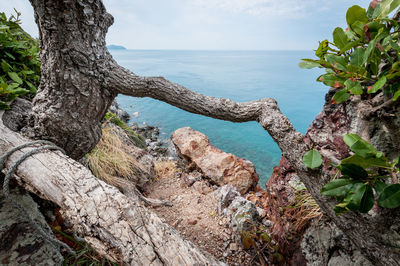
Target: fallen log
[{"x": 115, "y": 225}]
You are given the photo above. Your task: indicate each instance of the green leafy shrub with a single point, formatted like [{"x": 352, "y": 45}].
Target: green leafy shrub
[
  {"x": 19, "y": 62},
  {"x": 353, "y": 62},
  {"x": 364, "y": 172}
]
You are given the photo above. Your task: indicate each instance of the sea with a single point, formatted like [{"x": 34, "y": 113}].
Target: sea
[{"x": 238, "y": 75}]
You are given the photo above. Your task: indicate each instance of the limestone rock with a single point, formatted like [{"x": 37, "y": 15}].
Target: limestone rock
[
  {"x": 220, "y": 167},
  {"x": 225, "y": 195}
]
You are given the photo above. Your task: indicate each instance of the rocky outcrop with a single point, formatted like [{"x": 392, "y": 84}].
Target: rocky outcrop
[
  {"x": 122, "y": 114},
  {"x": 325, "y": 244},
  {"x": 21, "y": 243},
  {"x": 219, "y": 167}
]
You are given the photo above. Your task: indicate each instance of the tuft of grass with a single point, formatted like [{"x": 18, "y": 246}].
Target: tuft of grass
[
  {"x": 111, "y": 158},
  {"x": 136, "y": 138},
  {"x": 165, "y": 169},
  {"x": 303, "y": 209}
]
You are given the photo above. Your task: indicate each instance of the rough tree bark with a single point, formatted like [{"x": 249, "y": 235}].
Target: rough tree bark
[
  {"x": 116, "y": 226},
  {"x": 80, "y": 79}
]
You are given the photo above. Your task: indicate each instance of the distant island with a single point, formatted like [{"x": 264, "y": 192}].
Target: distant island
[{"x": 115, "y": 47}]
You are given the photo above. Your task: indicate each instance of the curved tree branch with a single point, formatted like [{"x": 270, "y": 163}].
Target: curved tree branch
[{"x": 265, "y": 111}]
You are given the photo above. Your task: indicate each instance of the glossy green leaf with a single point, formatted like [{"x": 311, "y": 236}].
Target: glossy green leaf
[
  {"x": 357, "y": 57},
  {"x": 338, "y": 187},
  {"x": 14, "y": 76},
  {"x": 340, "y": 39},
  {"x": 312, "y": 159},
  {"x": 378, "y": 85},
  {"x": 339, "y": 62},
  {"x": 390, "y": 197},
  {"x": 350, "y": 45},
  {"x": 368, "y": 200},
  {"x": 379, "y": 186},
  {"x": 367, "y": 162},
  {"x": 354, "y": 87},
  {"x": 354, "y": 196},
  {"x": 359, "y": 146},
  {"x": 356, "y": 13},
  {"x": 358, "y": 28},
  {"x": 340, "y": 96},
  {"x": 387, "y": 6},
  {"x": 353, "y": 171}
]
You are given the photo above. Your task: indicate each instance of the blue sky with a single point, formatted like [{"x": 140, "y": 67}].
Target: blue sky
[{"x": 215, "y": 24}]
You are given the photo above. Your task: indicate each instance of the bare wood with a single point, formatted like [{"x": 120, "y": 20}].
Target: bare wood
[{"x": 115, "y": 225}]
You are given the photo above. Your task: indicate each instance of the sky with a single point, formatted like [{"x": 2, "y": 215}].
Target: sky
[{"x": 215, "y": 24}]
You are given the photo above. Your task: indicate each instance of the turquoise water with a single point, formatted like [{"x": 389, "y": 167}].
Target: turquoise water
[{"x": 238, "y": 75}]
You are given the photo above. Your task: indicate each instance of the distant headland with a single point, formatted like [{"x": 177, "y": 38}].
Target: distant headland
[{"x": 115, "y": 47}]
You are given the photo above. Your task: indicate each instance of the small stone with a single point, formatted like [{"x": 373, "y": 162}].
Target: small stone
[
  {"x": 192, "y": 222},
  {"x": 233, "y": 247}
]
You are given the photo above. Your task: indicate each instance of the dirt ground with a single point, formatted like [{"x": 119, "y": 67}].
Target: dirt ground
[{"x": 194, "y": 215}]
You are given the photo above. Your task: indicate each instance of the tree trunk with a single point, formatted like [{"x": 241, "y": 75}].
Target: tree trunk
[
  {"x": 80, "y": 79},
  {"x": 116, "y": 226}
]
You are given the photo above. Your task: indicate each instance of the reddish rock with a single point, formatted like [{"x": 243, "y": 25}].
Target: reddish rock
[{"x": 220, "y": 167}]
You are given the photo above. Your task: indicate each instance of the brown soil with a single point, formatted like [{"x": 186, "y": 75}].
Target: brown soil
[{"x": 194, "y": 215}]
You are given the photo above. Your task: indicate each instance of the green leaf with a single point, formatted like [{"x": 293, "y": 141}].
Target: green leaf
[
  {"x": 386, "y": 7},
  {"x": 356, "y": 13},
  {"x": 353, "y": 171},
  {"x": 5, "y": 66},
  {"x": 308, "y": 65},
  {"x": 14, "y": 76},
  {"x": 378, "y": 85},
  {"x": 359, "y": 146},
  {"x": 340, "y": 39},
  {"x": 367, "y": 162},
  {"x": 371, "y": 47},
  {"x": 358, "y": 28},
  {"x": 322, "y": 49},
  {"x": 312, "y": 159},
  {"x": 338, "y": 62},
  {"x": 330, "y": 79},
  {"x": 338, "y": 187},
  {"x": 354, "y": 87},
  {"x": 340, "y": 96},
  {"x": 368, "y": 200},
  {"x": 357, "y": 57},
  {"x": 379, "y": 186},
  {"x": 350, "y": 45},
  {"x": 32, "y": 88},
  {"x": 396, "y": 95},
  {"x": 390, "y": 197},
  {"x": 354, "y": 196},
  {"x": 4, "y": 105}
]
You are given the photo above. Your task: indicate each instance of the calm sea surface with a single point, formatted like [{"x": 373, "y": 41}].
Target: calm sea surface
[{"x": 238, "y": 75}]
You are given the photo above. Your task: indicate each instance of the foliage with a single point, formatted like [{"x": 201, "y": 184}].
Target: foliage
[
  {"x": 136, "y": 138},
  {"x": 364, "y": 58},
  {"x": 312, "y": 159},
  {"x": 19, "y": 62},
  {"x": 364, "y": 172}
]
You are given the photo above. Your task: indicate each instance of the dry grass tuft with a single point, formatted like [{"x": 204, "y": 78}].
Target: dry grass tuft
[
  {"x": 303, "y": 209},
  {"x": 165, "y": 169},
  {"x": 111, "y": 158}
]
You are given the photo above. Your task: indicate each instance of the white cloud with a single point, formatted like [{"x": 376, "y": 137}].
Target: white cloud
[{"x": 294, "y": 8}]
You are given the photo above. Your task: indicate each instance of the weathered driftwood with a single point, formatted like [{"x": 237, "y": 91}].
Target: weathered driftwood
[{"x": 114, "y": 225}]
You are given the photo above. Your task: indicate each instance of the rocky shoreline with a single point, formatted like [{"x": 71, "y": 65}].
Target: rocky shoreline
[{"x": 247, "y": 211}]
